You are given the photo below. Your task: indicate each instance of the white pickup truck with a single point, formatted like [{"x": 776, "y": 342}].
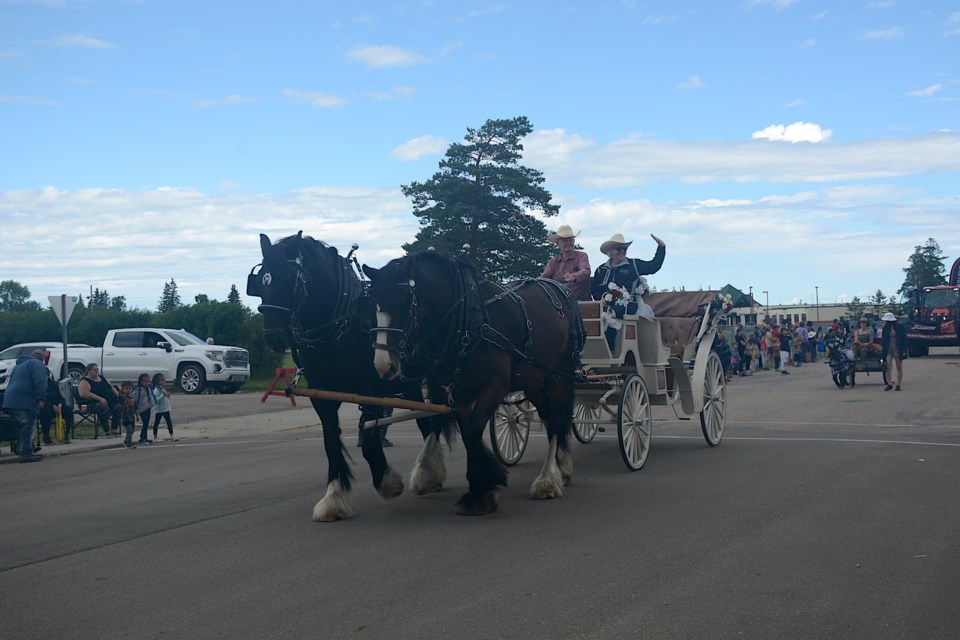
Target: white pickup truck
[{"x": 180, "y": 356}]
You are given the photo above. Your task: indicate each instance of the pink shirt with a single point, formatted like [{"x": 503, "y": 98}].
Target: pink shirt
[{"x": 579, "y": 265}]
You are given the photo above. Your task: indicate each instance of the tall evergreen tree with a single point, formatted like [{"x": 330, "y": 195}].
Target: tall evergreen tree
[
  {"x": 925, "y": 268},
  {"x": 877, "y": 302},
  {"x": 170, "y": 299},
  {"x": 234, "y": 295},
  {"x": 100, "y": 299},
  {"x": 480, "y": 201}
]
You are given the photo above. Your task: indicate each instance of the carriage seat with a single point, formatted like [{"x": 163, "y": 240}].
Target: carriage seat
[{"x": 680, "y": 314}]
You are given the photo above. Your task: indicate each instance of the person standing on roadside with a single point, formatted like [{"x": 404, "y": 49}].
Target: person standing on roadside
[
  {"x": 894, "y": 339},
  {"x": 25, "y": 396},
  {"x": 143, "y": 399},
  {"x": 786, "y": 340},
  {"x": 161, "y": 405}
]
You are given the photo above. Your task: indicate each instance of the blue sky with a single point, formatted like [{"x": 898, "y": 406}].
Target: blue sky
[{"x": 784, "y": 145}]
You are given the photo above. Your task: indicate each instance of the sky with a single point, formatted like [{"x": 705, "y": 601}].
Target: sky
[{"x": 800, "y": 149}]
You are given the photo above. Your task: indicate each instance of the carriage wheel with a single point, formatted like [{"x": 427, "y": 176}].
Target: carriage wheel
[
  {"x": 634, "y": 422},
  {"x": 713, "y": 418},
  {"x": 510, "y": 431},
  {"x": 586, "y": 421}
]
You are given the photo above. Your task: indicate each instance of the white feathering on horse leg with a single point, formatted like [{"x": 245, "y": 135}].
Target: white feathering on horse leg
[
  {"x": 335, "y": 505},
  {"x": 392, "y": 484},
  {"x": 548, "y": 484},
  {"x": 430, "y": 472},
  {"x": 565, "y": 462}
]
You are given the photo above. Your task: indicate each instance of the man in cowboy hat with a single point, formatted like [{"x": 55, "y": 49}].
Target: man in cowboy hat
[
  {"x": 571, "y": 267},
  {"x": 624, "y": 271}
]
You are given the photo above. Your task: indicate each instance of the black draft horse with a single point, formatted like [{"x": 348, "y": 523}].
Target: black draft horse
[
  {"x": 477, "y": 341},
  {"x": 314, "y": 303}
]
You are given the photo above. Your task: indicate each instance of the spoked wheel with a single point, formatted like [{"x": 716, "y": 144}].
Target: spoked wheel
[
  {"x": 634, "y": 422},
  {"x": 713, "y": 418},
  {"x": 586, "y": 421},
  {"x": 510, "y": 430}
]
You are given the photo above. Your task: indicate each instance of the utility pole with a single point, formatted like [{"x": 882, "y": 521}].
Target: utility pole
[
  {"x": 818, "y": 302},
  {"x": 751, "y": 306},
  {"x": 767, "y": 293}
]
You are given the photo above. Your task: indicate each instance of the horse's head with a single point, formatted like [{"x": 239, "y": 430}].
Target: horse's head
[
  {"x": 275, "y": 282},
  {"x": 392, "y": 290}
]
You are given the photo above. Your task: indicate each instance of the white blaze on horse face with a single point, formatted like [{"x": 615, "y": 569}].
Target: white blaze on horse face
[{"x": 383, "y": 359}]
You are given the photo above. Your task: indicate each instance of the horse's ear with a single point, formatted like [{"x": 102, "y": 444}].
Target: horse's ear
[
  {"x": 264, "y": 244},
  {"x": 300, "y": 234},
  {"x": 371, "y": 273}
]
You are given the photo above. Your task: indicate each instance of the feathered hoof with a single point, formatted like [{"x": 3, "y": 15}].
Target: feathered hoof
[
  {"x": 422, "y": 482},
  {"x": 478, "y": 505},
  {"x": 335, "y": 505},
  {"x": 546, "y": 488},
  {"x": 391, "y": 485}
]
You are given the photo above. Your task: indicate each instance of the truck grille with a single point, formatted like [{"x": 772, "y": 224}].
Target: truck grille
[{"x": 236, "y": 358}]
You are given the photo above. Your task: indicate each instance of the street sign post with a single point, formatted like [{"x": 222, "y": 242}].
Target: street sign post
[{"x": 63, "y": 306}]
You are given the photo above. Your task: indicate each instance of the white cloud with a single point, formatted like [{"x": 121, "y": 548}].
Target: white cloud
[
  {"x": 314, "y": 98},
  {"x": 796, "y": 132},
  {"x": 818, "y": 16},
  {"x": 30, "y": 100},
  {"x": 896, "y": 33},
  {"x": 953, "y": 24},
  {"x": 779, "y": 5},
  {"x": 82, "y": 41},
  {"x": 809, "y": 42},
  {"x": 225, "y": 101},
  {"x": 693, "y": 83},
  {"x": 384, "y": 56},
  {"x": 926, "y": 93},
  {"x": 420, "y": 147},
  {"x": 795, "y": 103}
]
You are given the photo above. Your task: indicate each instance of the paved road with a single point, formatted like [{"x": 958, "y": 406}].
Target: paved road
[{"x": 823, "y": 514}]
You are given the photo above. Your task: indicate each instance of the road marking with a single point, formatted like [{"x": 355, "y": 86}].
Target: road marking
[{"x": 853, "y": 440}]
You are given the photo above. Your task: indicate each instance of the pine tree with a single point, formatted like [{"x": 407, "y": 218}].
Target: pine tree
[
  {"x": 234, "y": 295},
  {"x": 170, "y": 299},
  {"x": 479, "y": 204},
  {"x": 926, "y": 267},
  {"x": 100, "y": 299}
]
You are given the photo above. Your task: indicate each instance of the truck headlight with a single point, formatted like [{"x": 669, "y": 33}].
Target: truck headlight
[{"x": 216, "y": 356}]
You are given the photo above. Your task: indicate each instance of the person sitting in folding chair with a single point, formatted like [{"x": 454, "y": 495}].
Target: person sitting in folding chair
[{"x": 101, "y": 396}]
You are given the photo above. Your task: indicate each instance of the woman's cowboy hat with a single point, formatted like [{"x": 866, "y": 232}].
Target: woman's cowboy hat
[
  {"x": 889, "y": 317},
  {"x": 616, "y": 240},
  {"x": 565, "y": 231}
]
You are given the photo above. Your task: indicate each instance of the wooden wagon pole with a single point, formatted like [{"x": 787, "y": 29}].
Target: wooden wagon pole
[{"x": 353, "y": 398}]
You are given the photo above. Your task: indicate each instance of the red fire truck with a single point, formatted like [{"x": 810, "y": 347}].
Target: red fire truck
[{"x": 934, "y": 314}]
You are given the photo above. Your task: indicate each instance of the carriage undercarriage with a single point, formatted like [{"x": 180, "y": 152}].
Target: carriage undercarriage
[{"x": 665, "y": 361}]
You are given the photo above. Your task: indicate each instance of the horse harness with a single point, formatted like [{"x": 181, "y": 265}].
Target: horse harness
[
  {"x": 339, "y": 329},
  {"x": 470, "y": 324}
]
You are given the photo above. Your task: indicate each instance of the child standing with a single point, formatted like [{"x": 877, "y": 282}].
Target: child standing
[
  {"x": 161, "y": 399},
  {"x": 128, "y": 413},
  {"x": 144, "y": 404}
]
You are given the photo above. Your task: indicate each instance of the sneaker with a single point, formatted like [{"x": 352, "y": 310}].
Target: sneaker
[
  {"x": 888, "y": 387},
  {"x": 129, "y": 445},
  {"x": 897, "y": 388},
  {"x": 142, "y": 441},
  {"x": 785, "y": 372},
  {"x": 385, "y": 443},
  {"x": 31, "y": 458}
]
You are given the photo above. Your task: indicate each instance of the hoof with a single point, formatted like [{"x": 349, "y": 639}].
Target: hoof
[
  {"x": 334, "y": 506},
  {"x": 546, "y": 487},
  {"x": 470, "y": 505},
  {"x": 391, "y": 485}
]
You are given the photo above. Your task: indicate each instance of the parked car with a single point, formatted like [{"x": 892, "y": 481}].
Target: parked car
[{"x": 8, "y": 357}]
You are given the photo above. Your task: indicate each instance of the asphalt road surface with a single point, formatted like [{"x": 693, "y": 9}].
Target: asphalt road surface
[{"x": 823, "y": 514}]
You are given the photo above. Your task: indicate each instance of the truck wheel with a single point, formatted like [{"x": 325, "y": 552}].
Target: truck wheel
[
  {"x": 192, "y": 379},
  {"x": 75, "y": 371}
]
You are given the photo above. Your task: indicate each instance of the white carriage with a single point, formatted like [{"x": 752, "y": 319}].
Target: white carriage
[{"x": 667, "y": 360}]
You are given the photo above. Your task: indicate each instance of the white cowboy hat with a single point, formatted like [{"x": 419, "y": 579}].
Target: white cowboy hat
[
  {"x": 889, "y": 317},
  {"x": 616, "y": 240},
  {"x": 564, "y": 231}
]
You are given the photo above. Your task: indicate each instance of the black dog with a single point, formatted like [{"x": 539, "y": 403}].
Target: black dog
[{"x": 843, "y": 366}]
